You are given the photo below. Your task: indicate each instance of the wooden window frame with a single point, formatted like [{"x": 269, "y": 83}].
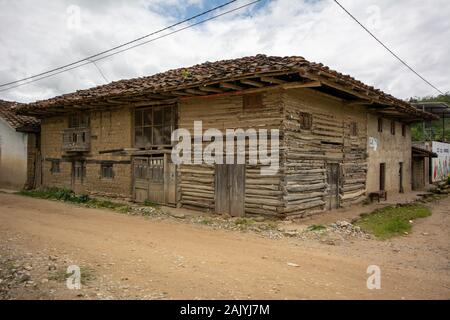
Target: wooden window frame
[
  {"x": 79, "y": 120},
  {"x": 252, "y": 101},
  {"x": 353, "y": 129},
  {"x": 107, "y": 170},
  {"x": 55, "y": 166},
  {"x": 380, "y": 125},
  {"x": 151, "y": 126},
  {"x": 305, "y": 120},
  {"x": 393, "y": 127}
]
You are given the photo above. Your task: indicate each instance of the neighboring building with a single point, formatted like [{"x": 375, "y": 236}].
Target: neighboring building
[
  {"x": 19, "y": 140},
  {"x": 437, "y": 166},
  {"x": 422, "y": 157},
  {"x": 440, "y": 166},
  {"x": 339, "y": 138}
]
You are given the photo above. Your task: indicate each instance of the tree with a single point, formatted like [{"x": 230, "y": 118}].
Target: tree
[{"x": 434, "y": 127}]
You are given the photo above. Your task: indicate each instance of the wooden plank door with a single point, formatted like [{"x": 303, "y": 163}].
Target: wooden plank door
[
  {"x": 156, "y": 180},
  {"x": 170, "y": 185},
  {"x": 418, "y": 173},
  {"x": 236, "y": 176},
  {"x": 140, "y": 172},
  {"x": 222, "y": 190},
  {"x": 230, "y": 189},
  {"x": 333, "y": 186}
]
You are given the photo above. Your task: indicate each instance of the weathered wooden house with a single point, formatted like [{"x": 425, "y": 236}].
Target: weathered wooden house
[
  {"x": 19, "y": 144},
  {"x": 339, "y": 138}
]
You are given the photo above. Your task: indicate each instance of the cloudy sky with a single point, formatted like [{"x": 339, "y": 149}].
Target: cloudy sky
[{"x": 38, "y": 35}]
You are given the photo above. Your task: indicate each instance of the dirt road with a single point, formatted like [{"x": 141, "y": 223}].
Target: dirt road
[{"x": 146, "y": 258}]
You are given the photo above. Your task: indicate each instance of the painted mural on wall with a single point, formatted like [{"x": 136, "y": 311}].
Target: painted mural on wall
[{"x": 441, "y": 164}]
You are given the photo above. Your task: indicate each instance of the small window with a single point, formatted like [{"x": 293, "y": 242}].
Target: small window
[
  {"x": 252, "y": 101},
  {"x": 393, "y": 127},
  {"x": 107, "y": 170},
  {"x": 380, "y": 125},
  {"x": 404, "y": 130},
  {"x": 55, "y": 167},
  {"x": 353, "y": 129},
  {"x": 79, "y": 120},
  {"x": 305, "y": 121}
]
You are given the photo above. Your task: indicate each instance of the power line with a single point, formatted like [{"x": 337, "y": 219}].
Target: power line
[
  {"x": 129, "y": 48},
  {"x": 121, "y": 45},
  {"x": 100, "y": 71},
  {"x": 395, "y": 55}
]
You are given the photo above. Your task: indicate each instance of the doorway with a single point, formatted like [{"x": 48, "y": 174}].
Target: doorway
[
  {"x": 400, "y": 176},
  {"x": 382, "y": 176},
  {"x": 154, "y": 179},
  {"x": 230, "y": 189},
  {"x": 333, "y": 186}
]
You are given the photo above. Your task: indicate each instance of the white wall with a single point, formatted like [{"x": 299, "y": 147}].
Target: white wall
[
  {"x": 13, "y": 157},
  {"x": 441, "y": 164}
]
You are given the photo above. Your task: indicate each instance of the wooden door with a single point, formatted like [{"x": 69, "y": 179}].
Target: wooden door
[
  {"x": 230, "y": 189},
  {"x": 382, "y": 176},
  {"x": 169, "y": 180},
  {"x": 156, "y": 180},
  {"x": 418, "y": 173},
  {"x": 333, "y": 186}
]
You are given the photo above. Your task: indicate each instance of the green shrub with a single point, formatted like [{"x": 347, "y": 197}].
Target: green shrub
[{"x": 68, "y": 195}]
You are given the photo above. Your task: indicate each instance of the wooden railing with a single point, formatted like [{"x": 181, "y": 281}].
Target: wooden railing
[{"x": 76, "y": 140}]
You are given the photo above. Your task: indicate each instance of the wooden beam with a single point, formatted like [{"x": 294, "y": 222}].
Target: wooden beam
[
  {"x": 231, "y": 86},
  {"x": 210, "y": 89},
  {"x": 337, "y": 86},
  {"x": 196, "y": 92},
  {"x": 296, "y": 85},
  {"x": 254, "y": 90},
  {"x": 114, "y": 101},
  {"x": 272, "y": 80},
  {"x": 179, "y": 93},
  {"x": 153, "y": 103},
  {"x": 155, "y": 96},
  {"x": 359, "y": 102},
  {"x": 252, "y": 83}
]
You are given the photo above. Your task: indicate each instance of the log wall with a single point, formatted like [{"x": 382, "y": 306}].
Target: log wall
[
  {"x": 307, "y": 152},
  {"x": 196, "y": 183}
]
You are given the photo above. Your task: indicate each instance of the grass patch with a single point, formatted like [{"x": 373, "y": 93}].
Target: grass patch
[
  {"x": 60, "y": 275},
  {"x": 316, "y": 227},
  {"x": 67, "y": 195},
  {"x": 392, "y": 221}
]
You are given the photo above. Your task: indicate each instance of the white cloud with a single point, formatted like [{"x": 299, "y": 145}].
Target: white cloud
[{"x": 36, "y": 36}]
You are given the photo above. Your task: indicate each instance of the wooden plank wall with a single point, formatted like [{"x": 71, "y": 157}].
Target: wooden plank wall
[
  {"x": 196, "y": 182},
  {"x": 307, "y": 152}
]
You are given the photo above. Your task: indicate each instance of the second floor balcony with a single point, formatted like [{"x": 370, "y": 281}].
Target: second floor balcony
[{"x": 76, "y": 140}]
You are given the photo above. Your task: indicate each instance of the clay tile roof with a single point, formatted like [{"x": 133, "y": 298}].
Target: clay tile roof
[
  {"x": 18, "y": 122},
  {"x": 213, "y": 72}
]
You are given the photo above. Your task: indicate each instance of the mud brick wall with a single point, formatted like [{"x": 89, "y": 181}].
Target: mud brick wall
[{"x": 110, "y": 129}]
